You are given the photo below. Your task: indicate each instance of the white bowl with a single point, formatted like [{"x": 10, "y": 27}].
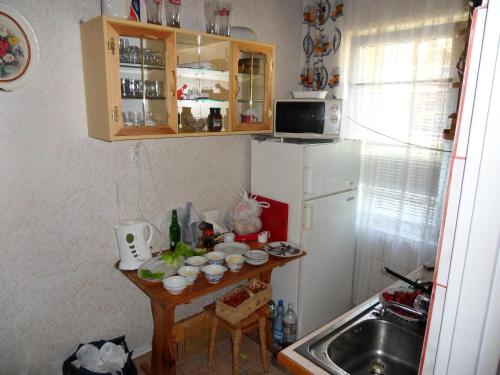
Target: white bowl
[
  {"x": 190, "y": 273},
  {"x": 309, "y": 94},
  {"x": 215, "y": 257},
  {"x": 213, "y": 272},
  {"x": 234, "y": 262},
  {"x": 256, "y": 257},
  {"x": 175, "y": 284},
  {"x": 196, "y": 261}
]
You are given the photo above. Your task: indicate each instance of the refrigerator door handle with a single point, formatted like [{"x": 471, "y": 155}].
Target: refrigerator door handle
[
  {"x": 307, "y": 216},
  {"x": 308, "y": 181}
]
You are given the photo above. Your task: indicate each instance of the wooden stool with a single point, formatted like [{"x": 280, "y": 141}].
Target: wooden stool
[{"x": 256, "y": 319}]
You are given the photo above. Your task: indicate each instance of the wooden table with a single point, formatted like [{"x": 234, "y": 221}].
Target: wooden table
[{"x": 163, "y": 304}]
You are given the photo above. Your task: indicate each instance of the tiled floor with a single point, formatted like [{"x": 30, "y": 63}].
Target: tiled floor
[{"x": 250, "y": 361}]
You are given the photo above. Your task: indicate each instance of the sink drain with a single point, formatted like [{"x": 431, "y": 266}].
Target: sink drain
[{"x": 377, "y": 368}]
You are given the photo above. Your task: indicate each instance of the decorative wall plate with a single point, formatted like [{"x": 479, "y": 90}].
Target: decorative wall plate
[{"x": 19, "y": 51}]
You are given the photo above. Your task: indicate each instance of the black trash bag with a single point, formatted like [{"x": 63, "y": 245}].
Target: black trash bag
[{"x": 128, "y": 369}]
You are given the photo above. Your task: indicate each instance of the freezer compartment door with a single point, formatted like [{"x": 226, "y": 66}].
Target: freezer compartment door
[
  {"x": 331, "y": 168},
  {"x": 326, "y": 274}
]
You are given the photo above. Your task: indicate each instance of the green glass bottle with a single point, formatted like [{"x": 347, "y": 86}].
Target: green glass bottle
[{"x": 174, "y": 230}]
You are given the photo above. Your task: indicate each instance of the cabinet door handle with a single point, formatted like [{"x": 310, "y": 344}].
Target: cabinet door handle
[
  {"x": 115, "y": 113},
  {"x": 308, "y": 180},
  {"x": 271, "y": 65},
  {"x": 237, "y": 86},
  {"x": 174, "y": 84},
  {"x": 111, "y": 45}
]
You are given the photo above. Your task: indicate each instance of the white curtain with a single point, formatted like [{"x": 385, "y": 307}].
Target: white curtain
[{"x": 400, "y": 58}]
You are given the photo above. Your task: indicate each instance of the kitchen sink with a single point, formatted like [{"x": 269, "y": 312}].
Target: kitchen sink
[{"x": 363, "y": 343}]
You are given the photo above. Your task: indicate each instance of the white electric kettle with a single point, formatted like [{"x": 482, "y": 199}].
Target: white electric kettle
[{"x": 132, "y": 243}]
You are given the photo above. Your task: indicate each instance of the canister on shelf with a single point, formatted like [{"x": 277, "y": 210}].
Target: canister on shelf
[{"x": 214, "y": 120}]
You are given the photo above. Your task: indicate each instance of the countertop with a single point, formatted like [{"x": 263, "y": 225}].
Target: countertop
[{"x": 298, "y": 364}]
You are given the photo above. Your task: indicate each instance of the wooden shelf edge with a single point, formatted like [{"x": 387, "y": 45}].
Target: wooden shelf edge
[
  {"x": 185, "y": 135},
  {"x": 161, "y": 28}
]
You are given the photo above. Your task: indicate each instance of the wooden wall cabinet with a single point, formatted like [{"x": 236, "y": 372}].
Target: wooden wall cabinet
[{"x": 133, "y": 73}]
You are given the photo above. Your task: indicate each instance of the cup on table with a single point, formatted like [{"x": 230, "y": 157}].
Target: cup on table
[
  {"x": 263, "y": 236},
  {"x": 229, "y": 237}
]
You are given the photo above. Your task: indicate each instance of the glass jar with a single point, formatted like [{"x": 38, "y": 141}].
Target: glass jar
[{"x": 214, "y": 120}]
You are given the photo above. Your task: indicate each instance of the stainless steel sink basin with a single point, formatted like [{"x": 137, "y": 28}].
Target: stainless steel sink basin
[
  {"x": 363, "y": 343},
  {"x": 376, "y": 347}
]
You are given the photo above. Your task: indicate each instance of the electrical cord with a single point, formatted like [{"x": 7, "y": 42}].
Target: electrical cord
[
  {"x": 396, "y": 139},
  {"x": 156, "y": 191}
]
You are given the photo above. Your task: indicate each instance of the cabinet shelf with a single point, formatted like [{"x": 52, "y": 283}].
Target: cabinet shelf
[
  {"x": 250, "y": 100},
  {"x": 147, "y": 98},
  {"x": 140, "y": 66},
  {"x": 248, "y": 75},
  {"x": 199, "y": 73},
  {"x": 202, "y": 101}
]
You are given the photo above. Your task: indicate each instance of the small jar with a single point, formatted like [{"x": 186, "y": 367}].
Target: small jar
[{"x": 214, "y": 120}]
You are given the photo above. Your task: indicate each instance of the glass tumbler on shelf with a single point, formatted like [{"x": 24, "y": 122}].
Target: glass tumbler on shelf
[
  {"x": 210, "y": 9},
  {"x": 223, "y": 18},
  {"x": 153, "y": 11},
  {"x": 173, "y": 12}
]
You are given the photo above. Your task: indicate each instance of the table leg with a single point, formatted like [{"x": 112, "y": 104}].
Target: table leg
[
  {"x": 266, "y": 278},
  {"x": 163, "y": 352}
]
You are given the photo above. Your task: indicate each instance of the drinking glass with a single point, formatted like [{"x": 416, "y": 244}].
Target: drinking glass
[
  {"x": 173, "y": 12},
  {"x": 123, "y": 50},
  {"x": 153, "y": 11},
  {"x": 210, "y": 8},
  {"x": 223, "y": 18}
]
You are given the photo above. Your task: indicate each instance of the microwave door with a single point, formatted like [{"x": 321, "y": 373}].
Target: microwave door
[{"x": 300, "y": 117}]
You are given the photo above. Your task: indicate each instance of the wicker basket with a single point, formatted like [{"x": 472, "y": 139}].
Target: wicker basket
[{"x": 234, "y": 315}]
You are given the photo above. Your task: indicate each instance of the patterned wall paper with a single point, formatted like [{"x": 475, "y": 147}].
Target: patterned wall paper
[
  {"x": 322, "y": 27},
  {"x": 58, "y": 200}
]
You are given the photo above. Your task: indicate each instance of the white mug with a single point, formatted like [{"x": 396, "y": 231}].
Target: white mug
[
  {"x": 229, "y": 237},
  {"x": 263, "y": 236}
]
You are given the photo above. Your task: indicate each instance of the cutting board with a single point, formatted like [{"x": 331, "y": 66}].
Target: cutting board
[{"x": 274, "y": 219}]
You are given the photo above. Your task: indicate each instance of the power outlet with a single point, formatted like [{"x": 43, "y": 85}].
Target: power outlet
[{"x": 134, "y": 153}]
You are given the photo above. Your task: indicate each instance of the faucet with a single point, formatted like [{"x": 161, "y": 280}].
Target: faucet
[{"x": 391, "y": 305}]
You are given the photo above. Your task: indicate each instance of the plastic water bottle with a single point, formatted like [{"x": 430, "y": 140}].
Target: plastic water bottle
[
  {"x": 290, "y": 325},
  {"x": 278, "y": 324}
]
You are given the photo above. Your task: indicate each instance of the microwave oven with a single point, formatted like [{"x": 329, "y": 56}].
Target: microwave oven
[{"x": 307, "y": 118}]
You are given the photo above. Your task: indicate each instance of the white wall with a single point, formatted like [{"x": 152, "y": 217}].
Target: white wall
[{"x": 58, "y": 285}]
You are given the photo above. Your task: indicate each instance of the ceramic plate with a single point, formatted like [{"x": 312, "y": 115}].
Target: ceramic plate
[
  {"x": 282, "y": 249},
  {"x": 232, "y": 248},
  {"x": 156, "y": 265},
  {"x": 19, "y": 52}
]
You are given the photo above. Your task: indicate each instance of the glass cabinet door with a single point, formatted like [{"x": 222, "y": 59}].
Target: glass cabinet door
[
  {"x": 253, "y": 91},
  {"x": 202, "y": 83},
  {"x": 143, "y": 90}
]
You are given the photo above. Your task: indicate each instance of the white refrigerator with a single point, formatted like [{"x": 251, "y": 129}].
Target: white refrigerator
[{"x": 319, "y": 183}]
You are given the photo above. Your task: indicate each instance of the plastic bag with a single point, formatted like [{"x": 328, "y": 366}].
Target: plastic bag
[
  {"x": 190, "y": 222},
  {"x": 245, "y": 216},
  {"x": 108, "y": 356}
]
